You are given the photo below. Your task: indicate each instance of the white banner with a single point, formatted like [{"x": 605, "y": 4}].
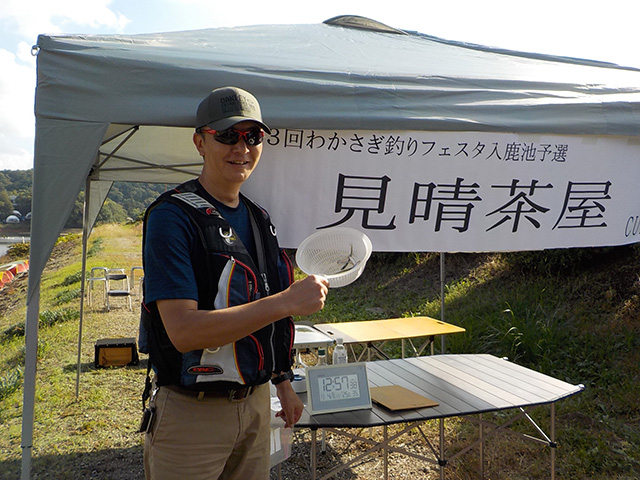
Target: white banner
[{"x": 452, "y": 191}]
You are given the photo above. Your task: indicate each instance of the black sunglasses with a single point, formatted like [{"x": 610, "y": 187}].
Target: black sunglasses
[{"x": 231, "y": 136}]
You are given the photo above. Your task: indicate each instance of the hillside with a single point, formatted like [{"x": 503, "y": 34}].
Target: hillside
[{"x": 571, "y": 314}]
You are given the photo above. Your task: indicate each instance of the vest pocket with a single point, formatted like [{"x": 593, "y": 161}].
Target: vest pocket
[
  {"x": 240, "y": 362},
  {"x": 237, "y": 284}
]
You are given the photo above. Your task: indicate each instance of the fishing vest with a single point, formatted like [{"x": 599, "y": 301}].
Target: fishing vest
[{"x": 226, "y": 276}]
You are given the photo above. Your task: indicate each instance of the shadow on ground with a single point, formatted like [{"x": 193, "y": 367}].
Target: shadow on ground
[
  {"x": 118, "y": 464},
  {"x": 127, "y": 464}
]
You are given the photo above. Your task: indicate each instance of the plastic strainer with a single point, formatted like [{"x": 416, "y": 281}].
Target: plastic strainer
[{"x": 339, "y": 254}]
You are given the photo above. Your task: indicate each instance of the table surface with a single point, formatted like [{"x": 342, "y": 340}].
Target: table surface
[
  {"x": 309, "y": 337},
  {"x": 389, "y": 329},
  {"x": 460, "y": 384}
]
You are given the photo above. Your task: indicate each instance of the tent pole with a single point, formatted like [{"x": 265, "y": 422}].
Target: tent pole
[
  {"x": 85, "y": 241},
  {"x": 29, "y": 394},
  {"x": 442, "y": 282}
]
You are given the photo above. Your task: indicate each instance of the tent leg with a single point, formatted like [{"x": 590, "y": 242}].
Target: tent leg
[
  {"x": 85, "y": 241},
  {"x": 29, "y": 395},
  {"x": 442, "y": 283}
]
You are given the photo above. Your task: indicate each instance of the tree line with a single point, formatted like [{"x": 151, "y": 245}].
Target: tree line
[{"x": 126, "y": 200}]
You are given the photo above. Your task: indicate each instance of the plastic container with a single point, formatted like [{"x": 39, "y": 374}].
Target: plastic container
[
  {"x": 322, "y": 356},
  {"x": 299, "y": 383},
  {"x": 339, "y": 353},
  {"x": 339, "y": 254}
]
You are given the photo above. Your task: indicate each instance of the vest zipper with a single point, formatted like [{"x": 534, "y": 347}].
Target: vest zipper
[
  {"x": 252, "y": 284},
  {"x": 267, "y": 289},
  {"x": 262, "y": 268}
]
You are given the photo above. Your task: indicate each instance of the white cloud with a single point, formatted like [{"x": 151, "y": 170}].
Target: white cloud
[
  {"x": 17, "y": 91},
  {"x": 29, "y": 19},
  {"x": 20, "y": 160},
  {"x": 21, "y": 24}
]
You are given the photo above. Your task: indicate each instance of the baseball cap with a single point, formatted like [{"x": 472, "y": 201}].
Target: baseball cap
[{"x": 226, "y": 106}]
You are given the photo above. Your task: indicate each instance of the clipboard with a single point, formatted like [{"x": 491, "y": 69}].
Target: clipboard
[{"x": 395, "y": 397}]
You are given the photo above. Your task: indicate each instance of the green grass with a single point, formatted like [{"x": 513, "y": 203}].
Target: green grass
[{"x": 573, "y": 315}]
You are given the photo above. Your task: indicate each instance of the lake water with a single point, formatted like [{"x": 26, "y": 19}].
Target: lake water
[{"x": 6, "y": 242}]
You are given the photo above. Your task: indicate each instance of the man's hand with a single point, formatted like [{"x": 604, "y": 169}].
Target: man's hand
[
  {"x": 292, "y": 406},
  {"x": 306, "y": 296},
  {"x": 191, "y": 329}
]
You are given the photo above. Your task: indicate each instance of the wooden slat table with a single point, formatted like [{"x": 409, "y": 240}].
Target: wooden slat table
[
  {"x": 462, "y": 385},
  {"x": 371, "y": 332}
]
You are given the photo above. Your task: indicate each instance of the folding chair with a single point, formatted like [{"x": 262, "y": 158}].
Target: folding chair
[
  {"x": 132, "y": 276},
  {"x": 118, "y": 285},
  {"x": 97, "y": 274}
]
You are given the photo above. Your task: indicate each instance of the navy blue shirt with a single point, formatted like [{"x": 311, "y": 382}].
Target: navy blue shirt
[{"x": 170, "y": 236}]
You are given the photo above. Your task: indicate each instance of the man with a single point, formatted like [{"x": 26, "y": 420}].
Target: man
[{"x": 218, "y": 304}]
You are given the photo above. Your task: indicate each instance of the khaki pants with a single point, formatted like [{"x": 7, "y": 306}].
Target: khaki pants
[{"x": 212, "y": 438}]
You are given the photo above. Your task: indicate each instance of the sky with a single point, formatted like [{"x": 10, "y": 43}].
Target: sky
[{"x": 588, "y": 29}]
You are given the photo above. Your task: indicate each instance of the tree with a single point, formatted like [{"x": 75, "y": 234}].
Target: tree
[
  {"x": 75, "y": 217},
  {"x": 133, "y": 197},
  {"x": 6, "y": 206},
  {"x": 111, "y": 212},
  {"x": 17, "y": 180},
  {"x": 23, "y": 201}
]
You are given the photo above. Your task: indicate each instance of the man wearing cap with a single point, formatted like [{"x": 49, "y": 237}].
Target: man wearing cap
[{"x": 219, "y": 296}]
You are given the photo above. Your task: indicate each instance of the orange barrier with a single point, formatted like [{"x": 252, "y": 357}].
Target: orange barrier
[
  {"x": 6, "y": 277},
  {"x": 10, "y": 271},
  {"x": 19, "y": 267}
]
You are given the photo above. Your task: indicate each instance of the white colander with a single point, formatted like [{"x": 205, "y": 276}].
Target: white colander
[{"x": 339, "y": 254}]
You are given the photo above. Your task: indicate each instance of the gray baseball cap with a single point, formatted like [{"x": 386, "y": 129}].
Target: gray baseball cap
[{"x": 226, "y": 106}]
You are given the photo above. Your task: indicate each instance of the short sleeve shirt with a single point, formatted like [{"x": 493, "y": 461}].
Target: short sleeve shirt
[{"x": 169, "y": 243}]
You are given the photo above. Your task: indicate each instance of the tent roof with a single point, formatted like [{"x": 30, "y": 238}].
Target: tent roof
[
  {"x": 91, "y": 88},
  {"x": 328, "y": 76}
]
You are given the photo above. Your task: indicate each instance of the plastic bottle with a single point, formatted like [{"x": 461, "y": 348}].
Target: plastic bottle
[
  {"x": 322, "y": 356},
  {"x": 339, "y": 353}
]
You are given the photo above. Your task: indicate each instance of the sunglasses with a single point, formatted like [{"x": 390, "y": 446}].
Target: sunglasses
[{"x": 231, "y": 136}]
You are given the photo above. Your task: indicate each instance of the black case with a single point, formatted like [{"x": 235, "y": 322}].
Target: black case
[{"x": 115, "y": 352}]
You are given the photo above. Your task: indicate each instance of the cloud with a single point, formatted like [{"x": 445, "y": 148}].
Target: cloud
[
  {"x": 21, "y": 22},
  {"x": 19, "y": 159},
  {"x": 29, "y": 19},
  {"x": 17, "y": 90}
]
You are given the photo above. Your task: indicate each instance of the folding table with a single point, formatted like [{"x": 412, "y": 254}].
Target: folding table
[
  {"x": 370, "y": 332},
  {"x": 462, "y": 385},
  {"x": 308, "y": 337}
]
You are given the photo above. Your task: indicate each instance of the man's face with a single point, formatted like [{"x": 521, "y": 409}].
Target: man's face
[{"x": 228, "y": 163}]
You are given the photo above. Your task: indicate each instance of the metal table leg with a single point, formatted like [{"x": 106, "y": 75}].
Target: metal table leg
[
  {"x": 314, "y": 459},
  {"x": 441, "y": 460}
]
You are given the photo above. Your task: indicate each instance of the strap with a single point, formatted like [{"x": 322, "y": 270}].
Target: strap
[
  {"x": 146, "y": 393},
  {"x": 257, "y": 237}
]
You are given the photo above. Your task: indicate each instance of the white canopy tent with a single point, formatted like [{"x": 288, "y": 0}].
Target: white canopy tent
[{"x": 355, "y": 111}]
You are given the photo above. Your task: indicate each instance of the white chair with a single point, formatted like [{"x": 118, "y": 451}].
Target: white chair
[
  {"x": 132, "y": 276},
  {"x": 117, "y": 286},
  {"x": 97, "y": 274}
]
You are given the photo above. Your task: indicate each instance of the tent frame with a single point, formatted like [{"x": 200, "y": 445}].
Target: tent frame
[{"x": 86, "y": 100}]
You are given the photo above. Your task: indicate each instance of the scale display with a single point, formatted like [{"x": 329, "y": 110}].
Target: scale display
[
  {"x": 338, "y": 387},
  {"x": 335, "y": 388}
]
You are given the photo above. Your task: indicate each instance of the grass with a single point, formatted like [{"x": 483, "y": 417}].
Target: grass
[
  {"x": 92, "y": 436},
  {"x": 575, "y": 319},
  {"x": 573, "y": 315}
]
